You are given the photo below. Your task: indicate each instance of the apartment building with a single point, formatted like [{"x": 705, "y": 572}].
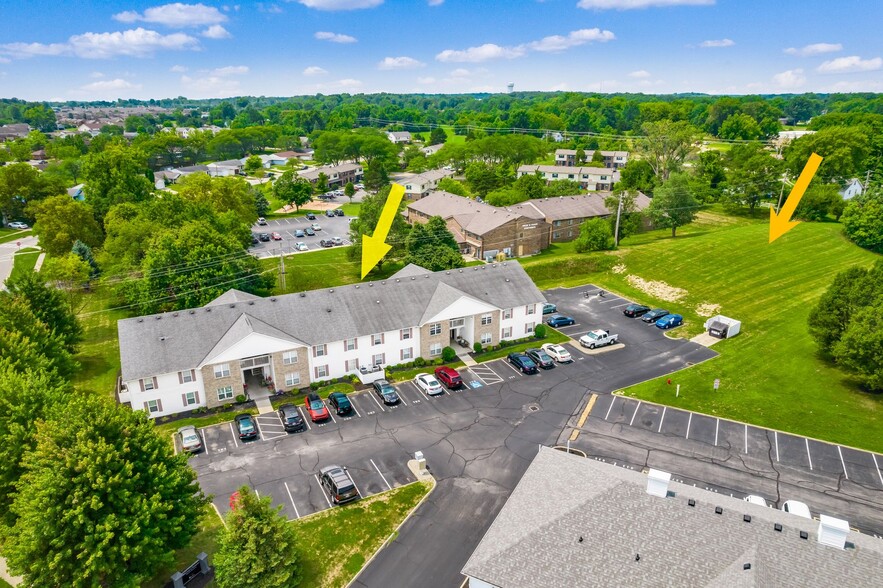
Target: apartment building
[
  {"x": 589, "y": 178},
  {"x": 612, "y": 159}
]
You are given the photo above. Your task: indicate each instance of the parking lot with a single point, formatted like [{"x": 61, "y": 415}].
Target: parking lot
[{"x": 337, "y": 226}]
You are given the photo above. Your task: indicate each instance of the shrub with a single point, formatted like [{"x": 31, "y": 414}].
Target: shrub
[
  {"x": 449, "y": 354},
  {"x": 240, "y": 398},
  {"x": 476, "y": 347},
  {"x": 419, "y": 362},
  {"x": 539, "y": 331}
]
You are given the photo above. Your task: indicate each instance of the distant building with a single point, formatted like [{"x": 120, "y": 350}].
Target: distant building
[
  {"x": 565, "y": 214},
  {"x": 77, "y": 192},
  {"x": 421, "y": 185},
  {"x": 612, "y": 159},
  {"x": 338, "y": 175},
  {"x": 589, "y": 178},
  {"x": 399, "y": 136},
  {"x": 14, "y": 131},
  {"x": 853, "y": 188},
  {"x": 229, "y": 167}
]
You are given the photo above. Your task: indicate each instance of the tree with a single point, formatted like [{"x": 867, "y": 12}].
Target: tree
[
  {"x": 321, "y": 183},
  {"x": 437, "y": 136},
  {"x": 580, "y": 156},
  {"x": 103, "y": 500},
  {"x": 84, "y": 252},
  {"x": 376, "y": 176},
  {"x": 349, "y": 191},
  {"x": 818, "y": 201},
  {"x": 60, "y": 221},
  {"x": 630, "y": 217},
  {"x": 21, "y": 185},
  {"x": 484, "y": 178},
  {"x": 19, "y": 323},
  {"x": 116, "y": 174},
  {"x": 253, "y": 165},
  {"x": 843, "y": 149},
  {"x": 432, "y": 246},
  {"x": 531, "y": 185},
  {"x": 48, "y": 305},
  {"x": 598, "y": 158},
  {"x": 673, "y": 204},
  {"x": 366, "y": 224},
  {"x": 257, "y": 547},
  {"x": 594, "y": 235},
  {"x": 220, "y": 194},
  {"x": 261, "y": 204},
  {"x": 863, "y": 220},
  {"x": 740, "y": 126},
  {"x": 753, "y": 174},
  {"x": 293, "y": 189},
  {"x": 70, "y": 273},
  {"x": 666, "y": 145},
  {"x": 453, "y": 186},
  {"x": 638, "y": 175}
]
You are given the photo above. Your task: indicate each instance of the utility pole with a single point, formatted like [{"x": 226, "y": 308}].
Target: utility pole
[
  {"x": 867, "y": 181},
  {"x": 781, "y": 193},
  {"x": 282, "y": 269},
  {"x": 618, "y": 214}
]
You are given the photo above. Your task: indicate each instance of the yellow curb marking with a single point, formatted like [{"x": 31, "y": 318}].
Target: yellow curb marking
[{"x": 583, "y": 417}]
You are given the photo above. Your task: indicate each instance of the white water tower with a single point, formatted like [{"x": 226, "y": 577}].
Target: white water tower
[{"x": 510, "y": 87}]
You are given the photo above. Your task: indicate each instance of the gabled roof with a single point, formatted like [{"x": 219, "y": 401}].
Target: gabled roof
[
  {"x": 568, "y": 207},
  {"x": 563, "y": 169},
  {"x": 232, "y": 296},
  {"x": 244, "y": 326}
]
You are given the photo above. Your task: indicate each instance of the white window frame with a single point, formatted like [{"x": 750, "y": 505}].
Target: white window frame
[
  {"x": 434, "y": 329},
  {"x": 487, "y": 318},
  {"x": 222, "y": 370},
  {"x": 292, "y": 379},
  {"x": 528, "y": 328},
  {"x": 507, "y": 314},
  {"x": 530, "y": 309},
  {"x": 377, "y": 339},
  {"x": 225, "y": 393},
  {"x": 289, "y": 357},
  {"x": 378, "y": 359},
  {"x": 321, "y": 371},
  {"x": 148, "y": 384},
  {"x": 188, "y": 396},
  {"x": 351, "y": 365},
  {"x": 407, "y": 353},
  {"x": 486, "y": 338},
  {"x": 507, "y": 333},
  {"x": 320, "y": 350},
  {"x": 350, "y": 344},
  {"x": 405, "y": 334},
  {"x": 188, "y": 377},
  {"x": 435, "y": 350},
  {"x": 152, "y": 406}
]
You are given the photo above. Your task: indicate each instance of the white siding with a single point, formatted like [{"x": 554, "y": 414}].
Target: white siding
[{"x": 169, "y": 391}]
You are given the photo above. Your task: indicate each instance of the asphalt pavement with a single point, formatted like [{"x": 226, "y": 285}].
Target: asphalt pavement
[
  {"x": 7, "y": 254},
  {"x": 337, "y": 226}
]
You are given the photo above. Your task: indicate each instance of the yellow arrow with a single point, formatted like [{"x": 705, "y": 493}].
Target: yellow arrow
[
  {"x": 375, "y": 247},
  {"x": 781, "y": 223}
]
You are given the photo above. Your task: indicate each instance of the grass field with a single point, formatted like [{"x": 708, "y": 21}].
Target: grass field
[
  {"x": 7, "y": 235},
  {"x": 24, "y": 261},
  {"x": 770, "y": 374},
  {"x": 323, "y": 269},
  {"x": 99, "y": 354}
]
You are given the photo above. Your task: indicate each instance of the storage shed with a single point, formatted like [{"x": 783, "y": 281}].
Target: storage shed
[{"x": 723, "y": 327}]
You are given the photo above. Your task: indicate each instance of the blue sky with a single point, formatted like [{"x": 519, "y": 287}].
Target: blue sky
[{"x": 76, "y": 50}]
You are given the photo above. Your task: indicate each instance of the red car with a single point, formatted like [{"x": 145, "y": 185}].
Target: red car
[
  {"x": 316, "y": 408},
  {"x": 449, "y": 377},
  {"x": 276, "y": 237}
]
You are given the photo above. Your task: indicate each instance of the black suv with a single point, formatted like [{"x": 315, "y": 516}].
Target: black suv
[
  {"x": 264, "y": 237},
  {"x": 311, "y": 216},
  {"x": 340, "y": 402},
  {"x": 635, "y": 310},
  {"x": 329, "y": 213},
  {"x": 654, "y": 315},
  {"x": 291, "y": 419},
  {"x": 338, "y": 483}
]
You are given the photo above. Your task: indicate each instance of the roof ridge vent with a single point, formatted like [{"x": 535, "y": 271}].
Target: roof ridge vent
[
  {"x": 140, "y": 320},
  {"x": 833, "y": 531},
  {"x": 304, "y": 294},
  {"x": 232, "y": 306},
  {"x": 273, "y": 299},
  {"x": 174, "y": 314},
  {"x": 159, "y": 317},
  {"x": 192, "y": 311},
  {"x": 209, "y": 309},
  {"x": 657, "y": 483}
]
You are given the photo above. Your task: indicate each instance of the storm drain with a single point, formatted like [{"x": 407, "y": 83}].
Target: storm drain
[{"x": 532, "y": 407}]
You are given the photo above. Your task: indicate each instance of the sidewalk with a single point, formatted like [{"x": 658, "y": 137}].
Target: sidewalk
[
  {"x": 5, "y": 575},
  {"x": 466, "y": 358},
  {"x": 262, "y": 400}
]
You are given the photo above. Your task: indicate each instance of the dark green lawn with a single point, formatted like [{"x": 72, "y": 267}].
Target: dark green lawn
[
  {"x": 24, "y": 261},
  {"x": 99, "y": 353},
  {"x": 325, "y": 268}
]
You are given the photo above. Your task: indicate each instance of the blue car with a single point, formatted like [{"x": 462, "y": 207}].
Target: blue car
[
  {"x": 560, "y": 321},
  {"x": 669, "y": 321}
]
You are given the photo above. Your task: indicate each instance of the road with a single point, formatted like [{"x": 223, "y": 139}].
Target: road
[{"x": 7, "y": 255}]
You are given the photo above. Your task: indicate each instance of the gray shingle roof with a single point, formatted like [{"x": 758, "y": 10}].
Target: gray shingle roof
[
  {"x": 231, "y": 296},
  {"x": 566, "y": 207},
  {"x": 476, "y": 217},
  {"x": 175, "y": 341},
  {"x": 534, "y": 541},
  {"x": 565, "y": 170}
]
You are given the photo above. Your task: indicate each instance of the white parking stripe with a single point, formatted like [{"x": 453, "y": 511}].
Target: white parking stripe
[
  {"x": 717, "y": 425},
  {"x": 330, "y": 413},
  {"x": 322, "y": 490},
  {"x": 511, "y": 367},
  {"x": 662, "y": 419},
  {"x": 621, "y": 305},
  {"x": 233, "y": 432},
  {"x": 807, "y": 452},
  {"x": 403, "y": 397},
  {"x": 689, "y": 421},
  {"x": 605, "y": 301},
  {"x": 776, "y": 436},
  {"x": 356, "y": 487},
  {"x": 377, "y": 402},
  {"x": 353, "y": 404},
  {"x": 419, "y": 389},
  {"x": 634, "y": 414},
  {"x": 304, "y": 417},
  {"x": 293, "y": 505},
  {"x": 843, "y": 463},
  {"x": 612, "y": 402},
  {"x": 746, "y": 439},
  {"x": 477, "y": 376},
  {"x": 381, "y": 474},
  {"x": 204, "y": 444},
  {"x": 874, "y": 455}
]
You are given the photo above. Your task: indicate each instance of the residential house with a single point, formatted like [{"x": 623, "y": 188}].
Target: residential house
[
  {"x": 576, "y": 521},
  {"x": 612, "y": 159},
  {"x": 165, "y": 177},
  {"x": 92, "y": 127},
  {"x": 853, "y": 188},
  {"x": 14, "y": 131},
  {"x": 204, "y": 357},
  {"x": 338, "y": 175},
  {"x": 420, "y": 185},
  {"x": 398, "y": 137},
  {"x": 481, "y": 230},
  {"x": 229, "y": 167},
  {"x": 589, "y": 178},
  {"x": 190, "y": 169},
  {"x": 77, "y": 192},
  {"x": 431, "y": 149}
]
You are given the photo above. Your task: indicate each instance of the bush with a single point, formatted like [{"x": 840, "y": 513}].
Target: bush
[
  {"x": 240, "y": 398},
  {"x": 476, "y": 347},
  {"x": 419, "y": 362},
  {"x": 449, "y": 354},
  {"x": 594, "y": 235},
  {"x": 539, "y": 331}
]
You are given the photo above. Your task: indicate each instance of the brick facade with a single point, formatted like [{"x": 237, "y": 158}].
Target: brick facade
[
  {"x": 493, "y": 328},
  {"x": 426, "y": 340},
  {"x": 211, "y": 384},
  {"x": 301, "y": 367}
]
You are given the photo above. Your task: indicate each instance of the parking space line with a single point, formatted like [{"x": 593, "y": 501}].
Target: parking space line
[
  {"x": 621, "y": 305},
  {"x": 377, "y": 402},
  {"x": 329, "y": 413},
  {"x": 421, "y": 392},
  {"x": 843, "y": 463},
  {"x": 381, "y": 474},
  {"x": 746, "y": 439},
  {"x": 353, "y": 404},
  {"x": 807, "y": 452},
  {"x": 611, "y": 300},
  {"x": 477, "y": 376},
  {"x": 233, "y": 432},
  {"x": 689, "y": 421},
  {"x": 717, "y": 425},
  {"x": 634, "y": 414},
  {"x": 204, "y": 444},
  {"x": 322, "y": 490},
  {"x": 610, "y": 408},
  {"x": 403, "y": 397},
  {"x": 293, "y": 505},
  {"x": 509, "y": 365},
  {"x": 776, "y": 437},
  {"x": 661, "y": 420},
  {"x": 874, "y": 455},
  {"x": 304, "y": 417}
]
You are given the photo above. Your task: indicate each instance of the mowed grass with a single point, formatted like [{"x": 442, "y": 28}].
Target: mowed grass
[
  {"x": 771, "y": 374},
  {"x": 336, "y": 543},
  {"x": 325, "y": 268},
  {"x": 7, "y": 235},
  {"x": 99, "y": 352},
  {"x": 24, "y": 261}
]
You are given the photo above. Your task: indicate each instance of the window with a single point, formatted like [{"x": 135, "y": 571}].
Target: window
[
  {"x": 555, "y": 235},
  {"x": 507, "y": 333},
  {"x": 321, "y": 371},
  {"x": 377, "y": 339},
  {"x": 507, "y": 314},
  {"x": 222, "y": 370},
  {"x": 153, "y": 406},
  {"x": 485, "y": 338},
  {"x": 407, "y": 353},
  {"x": 530, "y": 309},
  {"x": 378, "y": 359},
  {"x": 528, "y": 328},
  {"x": 186, "y": 377},
  {"x": 289, "y": 357},
  {"x": 557, "y": 223},
  {"x": 190, "y": 398},
  {"x": 486, "y": 318},
  {"x": 570, "y": 176},
  {"x": 292, "y": 379},
  {"x": 225, "y": 393},
  {"x": 254, "y": 361},
  {"x": 352, "y": 365},
  {"x": 435, "y": 349},
  {"x": 458, "y": 322},
  {"x": 350, "y": 344},
  {"x": 554, "y": 175},
  {"x": 319, "y": 350},
  {"x": 435, "y": 329},
  {"x": 148, "y": 384},
  {"x": 405, "y": 334}
]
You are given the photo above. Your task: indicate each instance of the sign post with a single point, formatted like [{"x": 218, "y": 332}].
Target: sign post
[{"x": 717, "y": 383}]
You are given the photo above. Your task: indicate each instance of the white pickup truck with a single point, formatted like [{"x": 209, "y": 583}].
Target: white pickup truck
[{"x": 598, "y": 338}]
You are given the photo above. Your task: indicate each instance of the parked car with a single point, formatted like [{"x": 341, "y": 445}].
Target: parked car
[
  {"x": 316, "y": 408},
  {"x": 541, "y": 358},
  {"x": 798, "y": 508},
  {"x": 338, "y": 484},
  {"x": 598, "y": 338},
  {"x": 654, "y": 315},
  {"x": 310, "y": 232},
  {"x": 311, "y": 216},
  {"x": 340, "y": 402},
  {"x": 264, "y": 237},
  {"x": 386, "y": 391},
  {"x": 18, "y": 225},
  {"x": 522, "y": 362},
  {"x": 299, "y": 233},
  {"x": 329, "y": 213},
  {"x": 549, "y": 308},
  {"x": 301, "y": 246},
  {"x": 429, "y": 384},
  {"x": 315, "y": 227},
  {"x": 262, "y": 221},
  {"x": 558, "y": 320},
  {"x": 755, "y": 499},
  {"x": 246, "y": 426},
  {"x": 337, "y": 240},
  {"x": 276, "y": 236},
  {"x": 191, "y": 442},
  {"x": 291, "y": 419},
  {"x": 558, "y": 353},
  {"x": 254, "y": 239},
  {"x": 635, "y": 310},
  {"x": 326, "y": 243},
  {"x": 669, "y": 321},
  {"x": 338, "y": 212},
  {"x": 449, "y": 377}
]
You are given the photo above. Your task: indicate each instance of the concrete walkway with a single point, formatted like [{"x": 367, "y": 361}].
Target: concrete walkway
[
  {"x": 466, "y": 358},
  {"x": 5, "y": 575},
  {"x": 262, "y": 400},
  {"x": 39, "y": 263},
  {"x": 705, "y": 339}
]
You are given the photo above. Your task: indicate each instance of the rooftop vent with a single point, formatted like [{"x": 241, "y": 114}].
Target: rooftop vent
[
  {"x": 804, "y": 535},
  {"x": 327, "y": 310},
  {"x": 174, "y": 314},
  {"x": 461, "y": 271},
  {"x": 718, "y": 510},
  {"x": 833, "y": 532},
  {"x": 158, "y": 317},
  {"x": 378, "y": 302},
  {"x": 162, "y": 338},
  {"x": 447, "y": 273},
  {"x": 691, "y": 502},
  {"x": 331, "y": 291},
  {"x": 507, "y": 279},
  {"x": 413, "y": 277},
  {"x": 397, "y": 280},
  {"x": 657, "y": 483},
  {"x": 209, "y": 309},
  {"x": 273, "y": 299},
  {"x": 192, "y": 312},
  {"x": 357, "y": 286},
  {"x": 746, "y": 518},
  {"x": 370, "y": 284},
  {"x": 251, "y": 302},
  {"x": 232, "y": 306},
  {"x": 140, "y": 320},
  {"x": 777, "y": 527},
  {"x": 746, "y": 566}
]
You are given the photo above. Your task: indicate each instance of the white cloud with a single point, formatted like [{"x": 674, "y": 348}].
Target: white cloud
[
  {"x": 635, "y": 4},
  {"x": 573, "y": 39},
  {"x": 348, "y": 83},
  {"x": 96, "y": 75},
  {"x": 22, "y": 50},
  {"x": 855, "y": 86},
  {"x": 435, "y": 2},
  {"x": 216, "y": 32},
  {"x": 717, "y": 43},
  {"x": 210, "y": 86},
  {"x": 178, "y": 68},
  {"x": 792, "y": 78},
  {"x": 399, "y": 63},
  {"x": 110, "y": 86},
  {"x": 315, "y": 70},
  {"x": 230, "y": 70},
  {"x": 481, "y": 53},
  {"x": 340, "y": 4},
  {"x": 461, "y": 72},
  {"x": 270, "y": 8},
  {"x": 641, "y": 73},
  {"x": 814, "y": 49},
  {"x": 426, "y": 80},
  {"x": 177, "y": 15},
  {"x": 133, "y": 43},
  {"x": 334, "y": 37},
  {"x": 344, "y": 85},
  {"x": 850, "y": 64}
]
